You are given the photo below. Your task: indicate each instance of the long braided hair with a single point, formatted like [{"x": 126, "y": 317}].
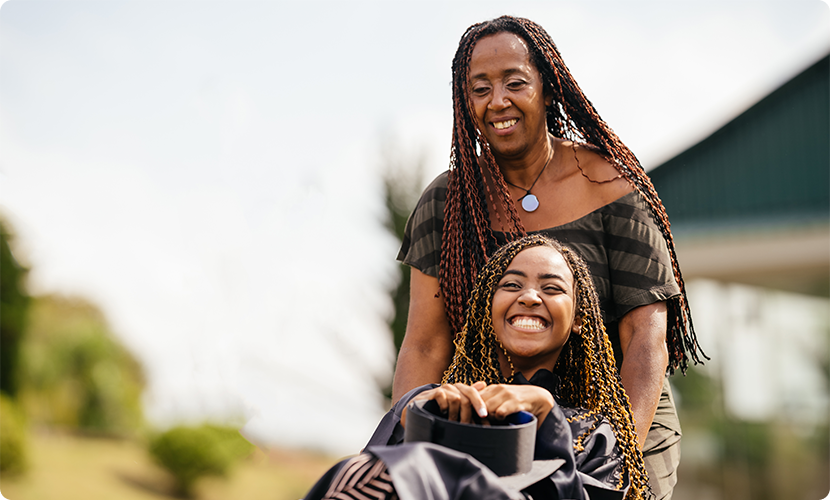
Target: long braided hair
[
  {"x": 586, "y": 370},
  {"x": 468, "y": 238}
]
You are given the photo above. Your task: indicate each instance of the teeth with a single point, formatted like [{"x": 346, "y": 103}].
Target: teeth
[
  {"x": 503, "y": 125},
  {"x": 529, "y": 323}
]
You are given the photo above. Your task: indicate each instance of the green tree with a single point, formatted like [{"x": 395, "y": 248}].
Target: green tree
[
  {"x": 77, "y": 375},
  {"x": 402, "y": 185},
  {"x": 14, "y": 304}
]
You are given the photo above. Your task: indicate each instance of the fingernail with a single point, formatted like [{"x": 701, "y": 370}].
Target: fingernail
[{"x": 482, "y": 412}]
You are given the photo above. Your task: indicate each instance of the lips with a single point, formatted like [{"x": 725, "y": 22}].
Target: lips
[
  {"x": 531, "y": 323},
  {"x": 505, "y": 124}
]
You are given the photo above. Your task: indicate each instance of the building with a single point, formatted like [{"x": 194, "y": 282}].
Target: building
[{"x": 751, "y": 202}]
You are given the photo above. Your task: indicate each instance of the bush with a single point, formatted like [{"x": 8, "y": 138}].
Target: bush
[
  {"x": 13, "y": 439},
  {"x": 189, "y": 453}
]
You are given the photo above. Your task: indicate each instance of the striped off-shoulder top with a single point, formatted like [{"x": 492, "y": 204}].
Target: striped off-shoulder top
[{"x": 620, "y": 242}]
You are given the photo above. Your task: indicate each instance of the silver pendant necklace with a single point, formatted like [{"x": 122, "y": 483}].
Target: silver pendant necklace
[{"x": 529, "y": 201}]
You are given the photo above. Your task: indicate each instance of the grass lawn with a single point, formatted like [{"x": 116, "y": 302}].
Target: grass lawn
[{"x": 68, "y": 467}]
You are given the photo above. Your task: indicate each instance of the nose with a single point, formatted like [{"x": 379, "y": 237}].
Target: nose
[
  {"x": 500, "y": 100},
  {"x": 530, "y": 297}
]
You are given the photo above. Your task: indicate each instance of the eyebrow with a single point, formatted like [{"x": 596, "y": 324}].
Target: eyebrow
[
  {"x": 545, "y": 276},
  {"x": 507, "y": 72}
]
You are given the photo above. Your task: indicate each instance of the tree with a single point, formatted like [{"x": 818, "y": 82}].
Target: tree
[
  {"x": 402, "y": 185},
  {"x": 14, "y": 304},
  {"x": 77, "y": 374}
]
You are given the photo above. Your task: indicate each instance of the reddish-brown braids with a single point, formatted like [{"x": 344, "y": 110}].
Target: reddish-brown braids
[{"x": 468, "y": 239}]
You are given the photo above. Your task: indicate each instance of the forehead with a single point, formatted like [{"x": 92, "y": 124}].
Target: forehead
[
  {"x": 500, "y": 49},
  {"x": 534, "y": 261}
]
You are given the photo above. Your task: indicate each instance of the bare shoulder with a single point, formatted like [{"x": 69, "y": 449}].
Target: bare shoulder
[{"x": 599, "y": 177}]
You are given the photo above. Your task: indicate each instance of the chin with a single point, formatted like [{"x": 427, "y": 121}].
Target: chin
[{"x": 507, "y": 150}]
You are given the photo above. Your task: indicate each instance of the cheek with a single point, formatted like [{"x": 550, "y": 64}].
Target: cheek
[
  {"x": 497, "y": 312},
  {"x": 479, "y": 109}
]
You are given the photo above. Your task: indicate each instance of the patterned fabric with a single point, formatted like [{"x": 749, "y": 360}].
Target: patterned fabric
[{"x": 363, "y": 477}]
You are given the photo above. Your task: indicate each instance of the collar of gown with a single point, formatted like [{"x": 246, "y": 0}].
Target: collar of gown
[{"x": 542, "y": 378}]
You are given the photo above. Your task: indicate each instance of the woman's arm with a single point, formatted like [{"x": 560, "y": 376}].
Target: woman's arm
[
  {"x": 427, "y": 345},
  {"x": 645, "y": 359}
]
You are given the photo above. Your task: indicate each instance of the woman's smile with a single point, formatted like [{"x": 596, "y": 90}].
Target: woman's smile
[
  {"x": 529, "y": 323},
  {"x": 505, "y": 124},
  {"x": 533, "y": 309}
]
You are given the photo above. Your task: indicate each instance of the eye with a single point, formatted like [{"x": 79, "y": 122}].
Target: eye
[
  {"x": 516, "y": 84},
  {"x": 553, "y": 289},
  {"x": 480, "y": 90},
  {"x": 510, "y": 285}
]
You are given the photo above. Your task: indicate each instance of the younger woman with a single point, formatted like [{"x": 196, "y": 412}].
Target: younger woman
[{"x": 533, "y": 341}]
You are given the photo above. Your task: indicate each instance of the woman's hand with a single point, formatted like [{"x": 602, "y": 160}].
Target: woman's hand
[
  {"x": 458, "y": 401},
  {"x": 503, "y": 400}
]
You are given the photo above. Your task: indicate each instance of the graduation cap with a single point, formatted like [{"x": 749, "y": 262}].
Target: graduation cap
[{"x": 505, "y": 447}]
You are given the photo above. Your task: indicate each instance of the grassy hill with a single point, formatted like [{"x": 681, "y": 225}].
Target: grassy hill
[{"x": 70, "y": 467}]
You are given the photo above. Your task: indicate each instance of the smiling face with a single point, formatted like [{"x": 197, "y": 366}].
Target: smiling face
[
  {"x": 507, "y": 93},
  {"x": 533, "y": 309}
]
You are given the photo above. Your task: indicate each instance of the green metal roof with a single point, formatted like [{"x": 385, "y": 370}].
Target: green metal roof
[{"x": 770, "y": 165}]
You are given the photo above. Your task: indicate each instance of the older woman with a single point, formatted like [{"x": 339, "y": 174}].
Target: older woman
[
  {"x": 531, "y": 154},
  {"x": 533, "y": 341}
]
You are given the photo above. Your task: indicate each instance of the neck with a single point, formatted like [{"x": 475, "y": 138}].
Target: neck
[
  {"x": 527, "y": 367},
  {"x": 523, "y": 171}
]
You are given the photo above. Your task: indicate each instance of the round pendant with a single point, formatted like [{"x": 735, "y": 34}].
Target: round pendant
[{"x": 530, "y": 203}]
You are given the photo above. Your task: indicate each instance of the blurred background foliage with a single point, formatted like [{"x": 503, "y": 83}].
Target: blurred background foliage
[
  {"x": 77, "y": 376},
  {"x": 190, "y": 453},
  {"x": 14, "y": 302},
  {"x": 403, "y": 181},
  {"x": 66, "y": 378},
  {"x": 726, "y": 457},
  {"x": 14, "y": 439},
  {"x": 14, "y": 305}
]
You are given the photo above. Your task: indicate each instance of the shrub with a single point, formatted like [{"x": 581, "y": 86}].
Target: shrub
[
  {"x": 13, "y": 439},
  {"x": 189, "y": 453}
]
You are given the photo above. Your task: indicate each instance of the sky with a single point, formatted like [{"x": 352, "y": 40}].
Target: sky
[{"x": 209, "y": 173}]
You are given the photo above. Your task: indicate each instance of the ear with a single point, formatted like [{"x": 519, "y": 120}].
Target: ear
[
  {"x": 548, "y": 98},
  {"x": 577, "y": 325}
]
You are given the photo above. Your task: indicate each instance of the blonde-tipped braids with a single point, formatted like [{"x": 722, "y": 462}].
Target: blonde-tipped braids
[{"x": 588, "y": 377}]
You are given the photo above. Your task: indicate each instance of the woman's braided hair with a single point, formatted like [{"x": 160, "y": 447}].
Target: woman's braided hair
[
  {"x": 468, "y": 238},
  {"x": 586, "y": 370}
]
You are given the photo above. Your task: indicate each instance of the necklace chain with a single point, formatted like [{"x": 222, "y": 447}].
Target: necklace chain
[{"x": 532, "y": 202}]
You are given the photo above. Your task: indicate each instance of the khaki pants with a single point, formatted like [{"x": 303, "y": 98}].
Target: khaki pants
[{"x": 661, "y": 452}]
